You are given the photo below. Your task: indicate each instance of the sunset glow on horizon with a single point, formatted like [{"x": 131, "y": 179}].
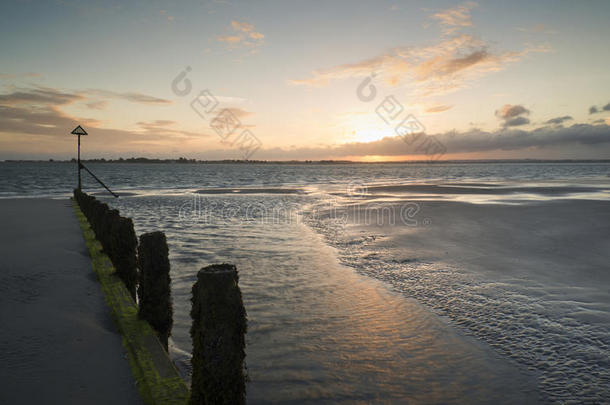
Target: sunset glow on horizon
[{"x": 306, "y": 83}]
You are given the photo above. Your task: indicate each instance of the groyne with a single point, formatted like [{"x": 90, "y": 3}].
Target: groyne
[
  {"x": 124, "y": 267},
  {"x": 157, "y": 379}
]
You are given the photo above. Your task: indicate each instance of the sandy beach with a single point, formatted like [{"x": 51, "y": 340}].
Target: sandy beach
[
  {"x": 364, "y": 283},
  {"x": 58, "y": 344},
  {"x": 521, "y": 272}
]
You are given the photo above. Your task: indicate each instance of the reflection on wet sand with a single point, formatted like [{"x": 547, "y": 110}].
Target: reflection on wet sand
[{"x": 320, "y": 333}]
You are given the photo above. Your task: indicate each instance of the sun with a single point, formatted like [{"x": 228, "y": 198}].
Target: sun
[{"x": 366, "y": 128}]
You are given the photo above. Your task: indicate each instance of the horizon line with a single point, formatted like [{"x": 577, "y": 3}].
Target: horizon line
[{"x": 184, "y": 160}]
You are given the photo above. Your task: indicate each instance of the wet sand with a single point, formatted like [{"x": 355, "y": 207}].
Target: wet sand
[
  {"x": 530, "y": 279},
  {"x": 58, "y": 344},
  {"x": 484, "y": 188}
]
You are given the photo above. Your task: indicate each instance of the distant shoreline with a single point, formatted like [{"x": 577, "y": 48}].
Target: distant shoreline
[{"x": 301, "y": 162}]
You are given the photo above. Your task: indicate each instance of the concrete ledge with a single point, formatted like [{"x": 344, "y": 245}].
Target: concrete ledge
[{"x": 157, "y": 378}]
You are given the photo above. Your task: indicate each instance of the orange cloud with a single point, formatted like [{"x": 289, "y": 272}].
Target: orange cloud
[
  {"x": 242, "y": 26},
  {"x": 437, "y": 69},
  {"x": 438, "y": 108},
  {"x": 240, "y": 113},
  {"x": 243, "y": 34},
  {"x": 513, "y": 115},
  {"x": 38, "y": 112},
  {"x": 455, "y": 18},
  {"x": 232, "y": 39},
  {"x": 97, "y": 105}
]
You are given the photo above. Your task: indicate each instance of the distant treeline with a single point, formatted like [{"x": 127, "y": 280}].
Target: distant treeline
[
  {"x": 185, "y": 160},
  {"x": 300, "y": 162}
]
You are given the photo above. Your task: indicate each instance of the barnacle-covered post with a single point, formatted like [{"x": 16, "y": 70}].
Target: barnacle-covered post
[{"x": 218, "y": 333}]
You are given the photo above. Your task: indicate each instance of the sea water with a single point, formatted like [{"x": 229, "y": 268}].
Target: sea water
[{"x": 346, "y": 310}]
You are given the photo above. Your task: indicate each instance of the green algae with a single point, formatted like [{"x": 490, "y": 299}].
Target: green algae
[{"x": 157, "y": 379}]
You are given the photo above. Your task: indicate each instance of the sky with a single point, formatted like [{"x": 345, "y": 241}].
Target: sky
[{"x": 288, "y": 80}]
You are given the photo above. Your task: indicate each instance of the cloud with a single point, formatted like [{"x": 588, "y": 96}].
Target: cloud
[
  {"x": 588, "y": 137},
  {"x": 240, "y": 113},
  {"x": 242, "y": 26},
  {"x": 514, "y": 139},
  {"x": 594, "y": 109},
  {"x": 97, "y": 105},
  {"x": 47, "y": 120},
  {"x": 45, "y": 95},
  {"x": 455, "y": 18},
  {"x": 441, "y": 68},
  {"x": 438, "y": 108},
  {"x": 513, "y": 115},
  {"x": 230, "y": 99},
  {"x": 163, "y": 129},
  {"x": 449, "y": 65},
  {"x": 256, "y": 35},
  {"x": 37, "y": 112},
  {"x": 514, "y": 122},
  {"x": 243, "y": 34},
  {"x": 29, "y": 116},
  {"x": 559, "y": 120},
  {"x": 510, "y": 111},
  {"x": 156, "y": 123},
  {"x": 231, "y": 39},
  {"x": 38, "y": 96},
  {"x": 128, "y": 96}
]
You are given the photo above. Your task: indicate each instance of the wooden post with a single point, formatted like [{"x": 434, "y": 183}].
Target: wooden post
[
  {"x": 154, "y": 291},
  {"x": 124, "y": 244},
  {"x": 218, "y": 333}
]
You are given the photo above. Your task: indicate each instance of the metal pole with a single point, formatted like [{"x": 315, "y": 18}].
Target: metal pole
[
  {"x": 98, "y": 180},
  {"x": 79, "y": 183}
]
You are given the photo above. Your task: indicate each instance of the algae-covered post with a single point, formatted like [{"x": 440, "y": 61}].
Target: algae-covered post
[
  {"x": 154, "y": 292},
  {"x": 125, "y": 243},
  {"x": 117, "y": 236},
  {"x": 218, "y": 333},
  {"x": 106, "y": 225}
]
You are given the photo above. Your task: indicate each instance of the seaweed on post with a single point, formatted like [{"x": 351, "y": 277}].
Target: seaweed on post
[
  {"x": 218, "y": 333},
  {"x": 154, "y": 290}
]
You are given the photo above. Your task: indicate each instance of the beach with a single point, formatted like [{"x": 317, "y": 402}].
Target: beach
[
  {"x": 379, "y": 283},
  {"x": 346, "y": 202},
  {"x": 522, "y": 271}
]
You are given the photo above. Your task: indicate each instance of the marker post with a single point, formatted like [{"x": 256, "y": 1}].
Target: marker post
[{"x": 79, "y": 131}]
